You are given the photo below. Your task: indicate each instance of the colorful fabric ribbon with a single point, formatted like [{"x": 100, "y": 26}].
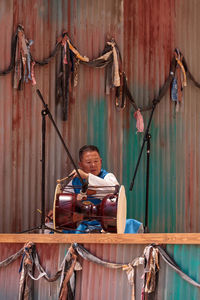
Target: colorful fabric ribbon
[
  {"x": 179, "y": 80},
  {"x": 139, "y": 121}
]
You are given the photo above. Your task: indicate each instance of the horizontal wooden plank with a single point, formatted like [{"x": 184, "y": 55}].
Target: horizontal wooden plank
[{"x": 146, "y": 238}]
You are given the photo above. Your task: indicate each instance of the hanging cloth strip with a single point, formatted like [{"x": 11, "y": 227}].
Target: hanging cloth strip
[
  {"x": 23, "y": 59},
  {"x": 67, "y": 274},
  {"x": 189, "y": 75},
  {"x": 30, "y": 260},
  {"x": 150, "y": 261},
  {"x": 120, "y": 93},
  {"x": 26, "y": 268},
  {"x": 179, "y": 58},
  {"x": 20, "y": 59},
  {"x": 23, "y": 63},
  {"x": 67, "y": 71},
  {"x": 110, "y": 56},
  {"x": 115, "y": 71},
  {"x": 179, "y": 80},
  {"x": 166, "y": 257},
  {"x": 139, "y": 121},
  {"x": 151, "y": 267},
  {"x": 129, "y": 268}
]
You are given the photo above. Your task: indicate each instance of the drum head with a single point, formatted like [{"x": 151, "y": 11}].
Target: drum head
[{"x": 121, "y": 210}]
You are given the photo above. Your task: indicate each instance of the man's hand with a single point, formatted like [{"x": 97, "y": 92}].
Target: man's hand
[
  {"x": 49, "y": 217},
  {"x": 83, "y": 174}
]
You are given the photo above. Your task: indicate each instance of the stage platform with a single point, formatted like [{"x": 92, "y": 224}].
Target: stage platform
[{"x": 108, "y": 238}]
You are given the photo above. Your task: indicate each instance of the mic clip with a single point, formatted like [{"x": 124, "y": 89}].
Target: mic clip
[
  {"x": 84, "y": 188},
  {"x": 82, "y": 196}
]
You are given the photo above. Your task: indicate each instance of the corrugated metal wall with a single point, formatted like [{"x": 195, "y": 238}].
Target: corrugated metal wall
[
  {"x": 146, "y": 32},
  {"x": 97, "y": 282}
]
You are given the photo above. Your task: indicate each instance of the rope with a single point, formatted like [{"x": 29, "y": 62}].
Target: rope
[
  {"x": 70, "y": 264},
  {"x": 110, "y": 58}
]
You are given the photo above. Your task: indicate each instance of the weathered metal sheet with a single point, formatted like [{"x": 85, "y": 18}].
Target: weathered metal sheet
[
  {"x": 89, "y": 112},
  {"x": 150, "y": 37},
  {"x": 146, "y": 32},
  {"x": 97, "y": 282},
  {"x": 187, "y": 258}
]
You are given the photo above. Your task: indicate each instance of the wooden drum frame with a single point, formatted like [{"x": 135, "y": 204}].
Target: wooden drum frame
[{"x": 68, "y": 212}]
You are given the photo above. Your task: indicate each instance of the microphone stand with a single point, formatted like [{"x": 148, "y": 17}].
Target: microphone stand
[
  {"x": 44, "y": 113},
  {"x": 146, "y": 139}
]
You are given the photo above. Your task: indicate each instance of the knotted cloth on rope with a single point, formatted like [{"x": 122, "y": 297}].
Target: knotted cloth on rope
[
  {"x": 66, "y": 272},
  {"x": 110, "y": 59},
  {"x": 67, "y": 71},
  {"x": 21, "y": 60},
  {"x": 11, "y": 258},
  {"x": 26, "y": 268},
  {"x": 179, "y": 81},
  {"x": 30, "y": 259},
  {"x": 149, "y": 260},
  {"x": 151, "y": 267},
  {"x": 165, "y": 256},
  {"x": 67, "y": 74}
]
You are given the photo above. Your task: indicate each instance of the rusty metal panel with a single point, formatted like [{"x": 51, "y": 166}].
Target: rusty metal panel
[
  {"x": 146, "y": 32},
  {"x": 97, "y": 282},
  {"x": 21, "y": 111},
  {"x": 93, "y": 281},
  {"x": 50, "y": 257},
  {"x": 152, "y": 30},
  {"x": 170, "y": 284},
  {"x": 149, "y": 43}
]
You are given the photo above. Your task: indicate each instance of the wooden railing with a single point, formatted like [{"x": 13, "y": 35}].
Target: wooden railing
[{"x": 108, "y": 238}]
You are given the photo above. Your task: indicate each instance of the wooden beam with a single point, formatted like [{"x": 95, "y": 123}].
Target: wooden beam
[{"x": 146, "y": 238}]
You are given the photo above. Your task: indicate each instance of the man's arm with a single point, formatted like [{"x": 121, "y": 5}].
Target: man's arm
[
  {"x": 108, "y": 180},
  {"x": 102, "y": 186}
]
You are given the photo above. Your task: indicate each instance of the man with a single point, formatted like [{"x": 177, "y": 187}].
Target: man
[
  {"x": 90, "y": 170},
  {"x": 100, "y": 181}
]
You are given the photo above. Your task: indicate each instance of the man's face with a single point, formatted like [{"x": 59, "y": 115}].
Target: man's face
[{"x": 91, "y": 162}]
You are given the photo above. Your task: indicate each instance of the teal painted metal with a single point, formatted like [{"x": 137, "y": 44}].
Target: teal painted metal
[
  {"x": 97, "y": 282},
  {"x": 162, "y": 183},
  {"x": 187, "y": 258},
  {"x": 174, "y": 161},
  {"x": 97, "y": 129},
  {"x": 146, "y": 32}
]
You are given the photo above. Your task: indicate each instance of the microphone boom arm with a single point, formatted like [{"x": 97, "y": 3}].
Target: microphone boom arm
[{"x": 60, "y": 136}]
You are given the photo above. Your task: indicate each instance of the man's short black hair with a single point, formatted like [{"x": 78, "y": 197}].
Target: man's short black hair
[{"x": 87, "y": 148}]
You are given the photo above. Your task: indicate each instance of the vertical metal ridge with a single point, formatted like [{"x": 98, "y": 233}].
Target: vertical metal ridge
[{"x": 146, "y": 34}]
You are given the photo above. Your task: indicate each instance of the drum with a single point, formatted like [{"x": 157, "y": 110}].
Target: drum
[{"x": 68, "y": 212}]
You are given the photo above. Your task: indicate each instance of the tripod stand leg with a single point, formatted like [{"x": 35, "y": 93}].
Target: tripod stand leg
[{"x": 146, "y": 229}]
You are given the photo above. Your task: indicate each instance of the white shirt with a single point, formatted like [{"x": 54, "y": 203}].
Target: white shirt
[{"x": 102, "y": 186}]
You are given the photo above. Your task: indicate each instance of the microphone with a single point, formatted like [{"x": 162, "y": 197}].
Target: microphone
[
  {"x": 84, "y": 188},
  {"x": 83, "y": 192}
]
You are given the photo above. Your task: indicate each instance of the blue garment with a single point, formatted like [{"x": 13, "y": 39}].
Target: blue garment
[
  {"x": 132, "y": 226},
  {"x": 89, "y": 226},
  {"x": 174, "y": 90}
]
